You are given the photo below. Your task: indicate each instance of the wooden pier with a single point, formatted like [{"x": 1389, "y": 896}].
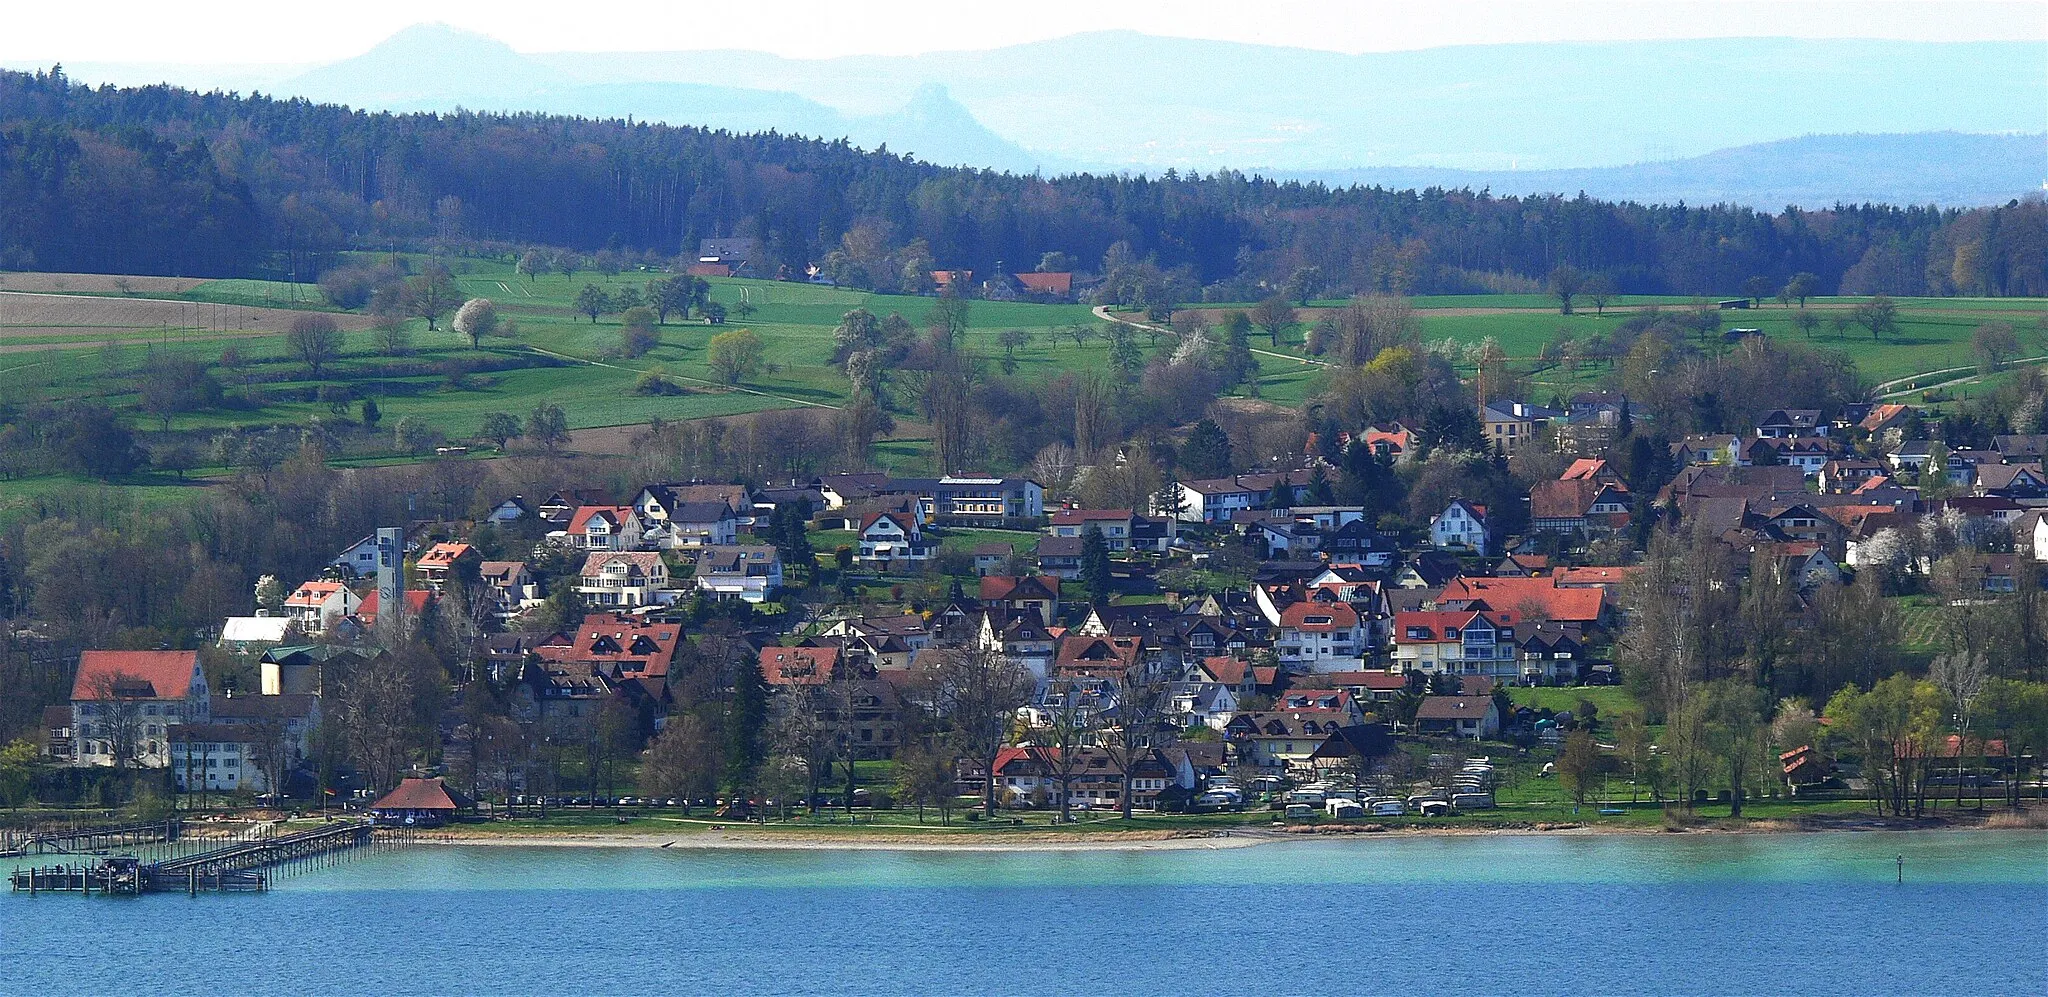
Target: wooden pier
[
  {"x": 92, "y": 839},
  {"x": 242, "y": 865}
]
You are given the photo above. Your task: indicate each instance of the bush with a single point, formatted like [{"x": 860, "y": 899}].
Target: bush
[{"x": 657, "y": 383}]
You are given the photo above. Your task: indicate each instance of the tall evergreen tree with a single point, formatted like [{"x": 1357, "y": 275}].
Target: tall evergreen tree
[{"x": 1095, "y": 570}]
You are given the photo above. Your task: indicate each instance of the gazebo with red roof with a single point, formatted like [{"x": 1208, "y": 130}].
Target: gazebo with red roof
[{"x": 419, "y": 803}]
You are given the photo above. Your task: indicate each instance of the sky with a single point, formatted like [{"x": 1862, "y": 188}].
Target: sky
[{"x": 228, "y": 32}]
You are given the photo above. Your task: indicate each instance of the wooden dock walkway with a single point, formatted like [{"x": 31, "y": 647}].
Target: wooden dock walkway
[
  {"x": 91, "y": 839},
  {"x": 241, "y": 865}
]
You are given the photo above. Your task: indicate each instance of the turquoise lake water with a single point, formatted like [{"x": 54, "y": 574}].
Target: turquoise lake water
[{"x": 1724, "y": 914}]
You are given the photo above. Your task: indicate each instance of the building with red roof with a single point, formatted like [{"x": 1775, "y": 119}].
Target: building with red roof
[
  {"x": 123, "y": 704},
  {"x": 799, "y": 666},
  {"x": 1085, "y": 656},
  {"x": 1038, "y": 594},
  {"x": 438, "y": 562},
  {"x": 318, "y": 605},
  {"x": 417, "y": 602},
  {"x": 1320, "y": 636},
  {"x": 419, "y": 803},
  {"x": 1531, "y": 596},
  {"x": 1056, "y": 284},
  {"x": 1456, "y": 642},
  {"x": 606, "y": 527},
  {"x": 615, "y": 645}
]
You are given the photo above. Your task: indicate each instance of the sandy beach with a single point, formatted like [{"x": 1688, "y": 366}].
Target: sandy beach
[{"x": 700, "y": 834}]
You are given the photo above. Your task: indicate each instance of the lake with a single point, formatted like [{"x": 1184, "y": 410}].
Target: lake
[{"x": 1578, "y": 915}]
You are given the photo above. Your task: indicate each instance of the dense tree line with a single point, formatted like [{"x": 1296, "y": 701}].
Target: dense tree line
[{"x": 159, "y": 179}]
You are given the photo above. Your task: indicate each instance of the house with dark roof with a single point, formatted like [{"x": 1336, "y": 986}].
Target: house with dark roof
[
  {"x": 1060, "y": 557},
  {"x": 1038, "y": 594},
  {"x": 747, "y": 572},
  {"x": 1472, "y": 717},
  {"x": 1578, "y": 506},
  {"x": 1511, "y": 425},
  {"x": 1787, "y": 423},
  {"x": 888, "y": 537},
  {"x": 1280, "y": 741}
]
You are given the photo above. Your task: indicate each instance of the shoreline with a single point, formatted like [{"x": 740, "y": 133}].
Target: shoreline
[{"x": 746, "y": 837}]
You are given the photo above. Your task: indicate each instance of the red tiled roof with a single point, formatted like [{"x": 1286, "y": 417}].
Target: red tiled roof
[
  {"x": 798, "y": 665},
  {"x": 1585, "y": 468},
  {"x": 313, "y": 593},
  {"x": 134, "y": 674},
  {"x": 628, "y": 644},
  {"x": 1592, "y": 576},
  {"x": 1097, "y": 654},
  {"x": 1339, "y": 616},
  {"x": 580, "y": 522},
  {"x": 420, "y": 794},
  {"x": 444, "y": 554},
  {"x": 1568, "y": 605},
  {"x": 1047, "y": 283},
  {"x": 1453, "y": 707},
  {"x": 998, "y": 588},
  {"x": 1225, "y": 669},
  {"x": 416, "y": 601}
]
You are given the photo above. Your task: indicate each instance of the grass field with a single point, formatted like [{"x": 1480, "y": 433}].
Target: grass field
[{"x": 65, "y": 336}]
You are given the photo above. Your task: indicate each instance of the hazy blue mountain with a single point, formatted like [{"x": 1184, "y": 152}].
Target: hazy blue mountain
[
  {"x": 434, "y": 67},
  {"x": 1534, "y": 117},
  {"x": 1945, "y": 168},
  {"x": 429, "y": 65},
  {"x": 1138, "y": 101}
]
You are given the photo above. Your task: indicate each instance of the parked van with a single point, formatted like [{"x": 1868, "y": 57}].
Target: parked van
[
  {"x": 1472, "y": 801},
  {"x": 1344, "y": 808},
  {"x": 1389, "y": 808},
  {"x": 1300, "y": 811}
]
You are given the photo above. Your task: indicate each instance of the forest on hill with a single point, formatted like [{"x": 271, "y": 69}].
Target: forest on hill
[{"x": 168, "y": 181}]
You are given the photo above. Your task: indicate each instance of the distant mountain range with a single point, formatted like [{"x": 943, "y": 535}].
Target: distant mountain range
[
  {"x": 1945, "y": 168},
  {"x": 1816, "y": 120}
]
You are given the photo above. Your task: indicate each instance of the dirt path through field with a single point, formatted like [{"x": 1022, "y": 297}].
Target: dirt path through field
[
  {"x": 1102, "y": 312},
  {"x": 97, "y": 283},
  {"x": 38, "y": 313}
]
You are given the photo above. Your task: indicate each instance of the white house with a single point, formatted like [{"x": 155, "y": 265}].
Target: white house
[
  {"x": 891, "y": 536},
  {"x": 315, "y": 606},
  {"x": 748, "y": 572},
  {"x": 606, "y": 527},
  {"x": 1461, "y": 526},
  {"x": 624, "y": 580},
  {"x": 124, "y": 703},
  {"x": 1320, "y": 637}
]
